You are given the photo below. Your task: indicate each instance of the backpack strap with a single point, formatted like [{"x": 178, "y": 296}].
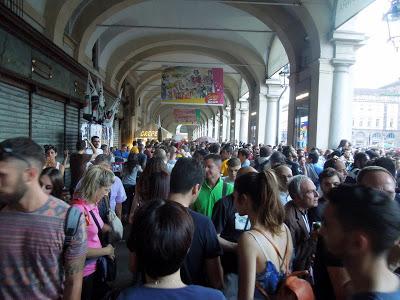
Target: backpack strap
[
  {"x": 224, "y": 189},
  {"x": 71, "y": 224}
]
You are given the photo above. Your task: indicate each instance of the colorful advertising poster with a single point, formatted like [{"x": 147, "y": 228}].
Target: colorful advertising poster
[
  {"x": 188, "y": 85},
  {"x": 187, "y": 116}
]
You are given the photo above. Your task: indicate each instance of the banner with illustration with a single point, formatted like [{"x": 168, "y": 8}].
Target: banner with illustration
[
  {"x": 188, "y": 85},
  {"x": 187, "y": 116}
]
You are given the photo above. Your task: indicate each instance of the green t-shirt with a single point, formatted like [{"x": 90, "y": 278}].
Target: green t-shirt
[{"x": 209, "y": 196}]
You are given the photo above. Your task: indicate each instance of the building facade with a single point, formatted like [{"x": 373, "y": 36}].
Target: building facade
[{"x": 376, "y": 117}]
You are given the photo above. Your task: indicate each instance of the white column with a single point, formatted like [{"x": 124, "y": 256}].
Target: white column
[
  {"x": 237, "y": 123},
  {"x": 210, "y": 127},
  {"x": 274, "y": 91},
  {"x": 244, "y": 120},
  {"x": 261, "y": 114},
  {"x": 224, "y": 125},
  {"x": 228, "y": 123},
  {"x": 345, "y": 43},
  {"x": 216, "y": 127}
]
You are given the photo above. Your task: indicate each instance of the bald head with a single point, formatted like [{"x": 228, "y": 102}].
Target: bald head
[{"x": 378, "y": 178}]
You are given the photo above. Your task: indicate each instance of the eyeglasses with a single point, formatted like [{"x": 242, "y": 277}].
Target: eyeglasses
[{"x": 6, "y": 152}]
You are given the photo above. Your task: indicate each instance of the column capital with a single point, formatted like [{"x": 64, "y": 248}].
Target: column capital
[
  {"x": 244, "y": 105},
  {"x": 345, "y": 45},
  {"x": 272, "y": 89}
]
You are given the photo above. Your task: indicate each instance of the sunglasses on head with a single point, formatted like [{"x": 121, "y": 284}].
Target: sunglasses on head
[{"x": 7, "y": 152}]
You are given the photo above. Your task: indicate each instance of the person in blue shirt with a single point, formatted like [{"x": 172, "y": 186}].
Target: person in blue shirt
[
  {"x": 123, "y": 153},
  {"x": 160, "y": 238},
  {"x": 361, "y": 225}
]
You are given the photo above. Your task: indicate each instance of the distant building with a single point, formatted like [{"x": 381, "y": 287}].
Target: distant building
[{"x": 376, "y": 117}]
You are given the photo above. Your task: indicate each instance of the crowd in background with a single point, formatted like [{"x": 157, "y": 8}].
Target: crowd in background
[{"x": 200, "y": 217}]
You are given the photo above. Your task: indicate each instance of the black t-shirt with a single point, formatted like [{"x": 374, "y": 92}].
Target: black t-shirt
[
  {"x": 204, "y": 246},
  {"x": 229, "y": 225},
  {"x": 77, "y": 164}
]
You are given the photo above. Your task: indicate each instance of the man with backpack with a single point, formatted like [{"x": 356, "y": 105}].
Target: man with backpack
[{"x": 42, "y": 239}]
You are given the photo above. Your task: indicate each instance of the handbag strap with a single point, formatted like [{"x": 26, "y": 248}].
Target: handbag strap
[
  {"x": 282, "y": 258},
  {"x": 97, "y": 222}
]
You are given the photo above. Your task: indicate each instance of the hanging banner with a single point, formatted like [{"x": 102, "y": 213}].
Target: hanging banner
[
  {"x": 188, "y": 85},
  {"x": 187, "y": 116}
]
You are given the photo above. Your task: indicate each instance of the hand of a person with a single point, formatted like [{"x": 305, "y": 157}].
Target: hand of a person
[
  {"x": 66, "y": 153},
  {"x": 110, "y": 251}
]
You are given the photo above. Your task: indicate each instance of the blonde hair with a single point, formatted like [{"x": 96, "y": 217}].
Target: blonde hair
[{"x": 94, "y": 178}]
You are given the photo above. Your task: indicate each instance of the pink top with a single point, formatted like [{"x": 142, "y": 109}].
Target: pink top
[{"x": 93, "y": 240}]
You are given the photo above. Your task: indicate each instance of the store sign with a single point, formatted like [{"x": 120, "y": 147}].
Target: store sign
[
  {"x": 146, "y": 134},
  {"x": 187, "y": 116},
  {"x": 193, "y": 86}
]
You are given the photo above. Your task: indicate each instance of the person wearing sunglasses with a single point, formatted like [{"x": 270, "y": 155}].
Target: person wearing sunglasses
[{"x": 38, "y": 262}]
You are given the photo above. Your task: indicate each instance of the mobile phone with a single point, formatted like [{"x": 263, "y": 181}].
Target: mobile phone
[{"x": 316, "y": 226}]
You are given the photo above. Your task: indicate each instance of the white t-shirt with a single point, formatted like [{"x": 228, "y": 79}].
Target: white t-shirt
[{"x": 90, "y": 151}]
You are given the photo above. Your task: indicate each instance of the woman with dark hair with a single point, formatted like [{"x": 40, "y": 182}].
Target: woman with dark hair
[
  {"x": 153, "y": 184},
  {"x": 52, "y": 182},
  {"x": 51, "y": 154},
  {"x": 266, "y": 249},
  {"x": 159, "y": 240}
]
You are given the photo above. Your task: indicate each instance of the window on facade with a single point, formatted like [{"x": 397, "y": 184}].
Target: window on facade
[
  {"x": 369, "y": 123},
  {"x": 360, "y": 123},
  {"x": 391, "y": 135},
  {"x": 391, "y": 123},
  {"x": 377, "y": 123}
]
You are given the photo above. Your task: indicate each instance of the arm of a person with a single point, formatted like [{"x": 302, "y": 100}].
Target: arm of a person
[
  {"x": 73, "y": 278},
  {"x": 118, "y": 210},
  {"x": 66, "y": 158},
  {"x": 74, "y": 262},
  {"x": 339, "y": 278},
  {"x": 227, "y": 245},
  {"x": 98, "y": 252},
  {"x": 62, "y": 169},
  {"x": 215, "y": 273},
  {"x": 247, "y": 267}
]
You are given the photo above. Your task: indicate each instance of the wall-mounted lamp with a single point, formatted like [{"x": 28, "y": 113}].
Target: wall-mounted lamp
[
  {"x": 233, "y": 121},
  {"x": 253, "y": 113},
  {"x": 302, "y": 96},
  {"x": 42, "y": 69},
  {"x": 392, "y": 18}
]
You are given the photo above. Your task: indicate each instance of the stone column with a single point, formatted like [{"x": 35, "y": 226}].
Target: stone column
[
  {"x": 216, "y": 126},
  {"x": 345, "y": 45},
  {"x": 274, "y": 91},
  {"x": 237, "y": 123},
  {"x": 261, "y": 114},
  {"x": 228, "y": 123},
  {"x": 210, "y": 127},
  {"x": 244, "y": 120},
  {"x": 224, "y": 125}
]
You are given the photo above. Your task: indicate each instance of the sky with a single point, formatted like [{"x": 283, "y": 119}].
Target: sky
[{"x": 377, "y": 62}]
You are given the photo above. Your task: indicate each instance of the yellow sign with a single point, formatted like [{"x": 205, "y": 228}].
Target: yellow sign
[{"x": 148, "y": 134}]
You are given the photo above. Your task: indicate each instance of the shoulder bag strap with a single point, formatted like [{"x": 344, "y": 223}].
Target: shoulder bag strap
[
  {"x": 282, "y": 258},
  {"x": 97, "y": 222}
]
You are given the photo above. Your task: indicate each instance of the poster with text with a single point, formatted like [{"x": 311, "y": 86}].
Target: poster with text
[
  {"x": 187, "y": 116},
  {"x": 188, "y": 85}
]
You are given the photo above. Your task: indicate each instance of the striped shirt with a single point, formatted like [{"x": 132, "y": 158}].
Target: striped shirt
[{"x": 31, "y": 251}]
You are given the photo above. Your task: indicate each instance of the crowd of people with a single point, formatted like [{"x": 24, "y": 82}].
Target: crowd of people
[{"x": 202, "y": 221}]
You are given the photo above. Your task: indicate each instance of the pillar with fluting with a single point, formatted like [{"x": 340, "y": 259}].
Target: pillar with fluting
[
  {"x": 216, "y": 127},
  {"x": 244, "y": 120},
  {"x": 274, "y": 91}
]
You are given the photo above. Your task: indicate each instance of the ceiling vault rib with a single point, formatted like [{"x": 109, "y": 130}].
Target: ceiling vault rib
[{"x": 184, "y": 28}]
